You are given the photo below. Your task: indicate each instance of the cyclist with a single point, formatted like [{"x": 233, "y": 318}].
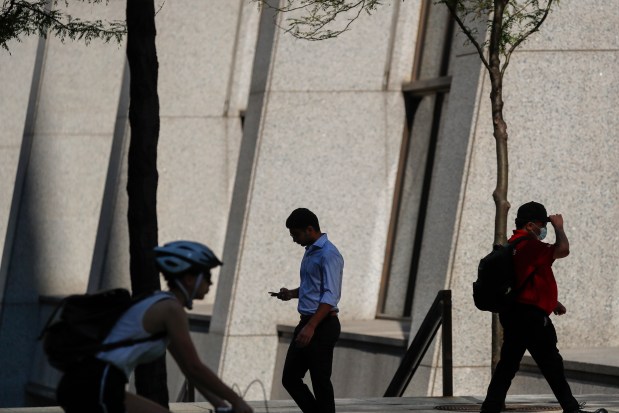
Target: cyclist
[{"x": 98, "y": 385}]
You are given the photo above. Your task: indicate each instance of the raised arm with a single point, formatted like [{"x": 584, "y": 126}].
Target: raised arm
[{"x": 562, "y": 244}]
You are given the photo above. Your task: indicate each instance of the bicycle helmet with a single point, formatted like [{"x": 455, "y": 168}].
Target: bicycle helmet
[{"x": 180, "y": 257}]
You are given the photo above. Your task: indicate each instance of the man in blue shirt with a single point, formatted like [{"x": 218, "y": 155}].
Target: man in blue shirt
[{"x": 315, "y": 337}]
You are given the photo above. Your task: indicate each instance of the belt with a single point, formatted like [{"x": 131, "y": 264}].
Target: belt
[{"x": 305, "y": 317}]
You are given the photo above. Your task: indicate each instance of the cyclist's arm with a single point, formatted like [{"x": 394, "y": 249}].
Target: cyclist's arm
[{"x": 184, "y": 352}]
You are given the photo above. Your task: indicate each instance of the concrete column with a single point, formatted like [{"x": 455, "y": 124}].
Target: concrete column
[
  {"x": 323, "y": 132},
  {"x": 60, "y": 199},
  {"x": 20, "y": 73}
]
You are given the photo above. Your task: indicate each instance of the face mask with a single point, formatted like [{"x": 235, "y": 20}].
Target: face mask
[{"x": 542, "y": 232}]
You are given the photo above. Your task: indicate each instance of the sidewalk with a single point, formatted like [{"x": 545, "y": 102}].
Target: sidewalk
[{"x": 528, "y": 403}]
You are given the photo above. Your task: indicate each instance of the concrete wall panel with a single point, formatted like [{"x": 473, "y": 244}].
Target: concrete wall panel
[
  {"x": 336, "y": 64},
  {"x": 63, "y": 182},
  {"x": 560, "y": 107},
  {"x": 195, "y": 57}
]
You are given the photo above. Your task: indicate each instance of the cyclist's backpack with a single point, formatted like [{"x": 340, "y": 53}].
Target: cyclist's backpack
[
  {"x": 494, "y": 289},
  {"x": 80, "y": 323}
]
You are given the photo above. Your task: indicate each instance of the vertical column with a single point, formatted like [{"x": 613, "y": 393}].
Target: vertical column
[
  {"x": 69, "y": 132},
  {"x": 321, "y": 132},
  {"x": 220, "y": 342}
]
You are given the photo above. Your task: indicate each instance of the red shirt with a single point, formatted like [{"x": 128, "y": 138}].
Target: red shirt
[{"x": 533, "y": 254}]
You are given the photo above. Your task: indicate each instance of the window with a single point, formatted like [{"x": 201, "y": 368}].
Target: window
[{"x": 425, "y": 99}]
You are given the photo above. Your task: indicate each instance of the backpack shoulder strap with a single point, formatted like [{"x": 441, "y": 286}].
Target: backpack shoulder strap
[
  {"x": 529, "y": 278},
  {"x": 517, "y": 241},
  {"x": 131, "y": 341}
]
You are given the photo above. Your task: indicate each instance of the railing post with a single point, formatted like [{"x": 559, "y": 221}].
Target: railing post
[
  {"x": 187, "y": 393},
  {"x": 447, "y": 345},
  {"x": 438, "y": 314}
]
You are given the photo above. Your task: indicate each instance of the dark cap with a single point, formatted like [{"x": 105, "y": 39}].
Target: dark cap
[{"x": 532, "y": 211}]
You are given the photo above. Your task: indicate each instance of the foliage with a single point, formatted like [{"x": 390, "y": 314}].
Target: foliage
[
  {"x": 519, "y": 20},
  {"x": 315, "y": 19},
  {"x": 19, "y": 18}
]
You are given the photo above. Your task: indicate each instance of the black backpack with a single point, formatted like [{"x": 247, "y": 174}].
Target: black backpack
[
  {"x": 80, "y": 323},
  {"x": 494, "y": 289}
]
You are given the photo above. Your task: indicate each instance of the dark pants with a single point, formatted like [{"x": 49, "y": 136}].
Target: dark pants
[
  {"x": 93, "y": 387},
  {"x": 528, "y": 328},
  {"x": 317, "y": 357}
]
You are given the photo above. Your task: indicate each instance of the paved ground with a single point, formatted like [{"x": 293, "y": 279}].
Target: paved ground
[{"x": 515, "y": 404}]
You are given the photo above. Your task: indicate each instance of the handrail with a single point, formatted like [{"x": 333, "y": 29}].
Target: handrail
[
  {"x": 187, "y": 394},
  {"x": 438, "y": 314}
]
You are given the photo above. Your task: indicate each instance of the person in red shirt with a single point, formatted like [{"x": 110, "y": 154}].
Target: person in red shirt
[{"x": 526, "y": 324}]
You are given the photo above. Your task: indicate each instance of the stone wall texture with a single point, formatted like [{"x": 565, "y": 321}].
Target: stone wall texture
[{"x": 255, "y": 123}]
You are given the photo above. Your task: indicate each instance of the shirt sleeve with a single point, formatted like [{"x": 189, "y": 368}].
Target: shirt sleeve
[{"x": 332, "y": 268}]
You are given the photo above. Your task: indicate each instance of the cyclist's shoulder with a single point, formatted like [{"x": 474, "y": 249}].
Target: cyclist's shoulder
[
  {"x": 164, "y": 313},
  {"x": 166, "y": 305}
]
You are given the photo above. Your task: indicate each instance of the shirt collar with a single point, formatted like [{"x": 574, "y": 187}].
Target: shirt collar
[
  {"x": 519, "y": 233},
  {"x": 319, "y": 243}
]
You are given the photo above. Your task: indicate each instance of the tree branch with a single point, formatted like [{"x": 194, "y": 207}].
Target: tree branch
[
  {"x": 524, "y": 37},
  {"x": 321, "y": 13},
  {"x": 315, "y": 33},
  {"x": 467, "y": 32},
  {"x": 23, "y": 17}
]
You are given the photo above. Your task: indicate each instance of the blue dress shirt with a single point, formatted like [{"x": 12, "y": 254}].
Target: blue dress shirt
[{"x": 321, "y": 276}]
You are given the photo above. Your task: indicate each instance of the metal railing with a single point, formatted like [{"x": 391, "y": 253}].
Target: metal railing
[
  {"x": 187, "y": 393},
  {"x": 439, "y": 314}
]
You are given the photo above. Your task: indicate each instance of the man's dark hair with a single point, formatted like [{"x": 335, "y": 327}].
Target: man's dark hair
[{"x": 303, "y": 218}]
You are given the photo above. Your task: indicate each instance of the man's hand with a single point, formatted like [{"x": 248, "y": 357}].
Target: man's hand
[
  {"x": 285, "y": 294},
  {"x": 560, "y": 309},
  {"x": 556, "y": 220},
  {"x": 305, "y": 335}
]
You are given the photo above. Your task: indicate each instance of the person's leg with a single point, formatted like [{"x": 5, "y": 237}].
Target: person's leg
[
  {"x": 77, "y": 394},
  {"x": 511, "y": 354},
  {"x": 543, "y": 349},
  {"x": 295, "y": 367},
  {"x": 321, "y": 353},
  {"x": 93, "y": 386}
]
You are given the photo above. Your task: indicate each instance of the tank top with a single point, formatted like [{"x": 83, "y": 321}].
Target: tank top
[{"x": 130, "y": 326}]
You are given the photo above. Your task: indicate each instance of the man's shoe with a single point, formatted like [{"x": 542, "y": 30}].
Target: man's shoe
[{"x": 579, "y": 410}]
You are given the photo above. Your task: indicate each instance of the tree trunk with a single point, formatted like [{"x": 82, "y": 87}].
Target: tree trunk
[
  {"x": 150, "y": 379},
  {"x": 499, "y": 194},
  {"x": 500, "y": 135}
]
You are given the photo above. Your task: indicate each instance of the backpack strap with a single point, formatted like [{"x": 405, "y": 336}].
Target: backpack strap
[
  {"x": 94, "y": 349},
  {"x": 130, "y": 341},
  {"x": 517, "y": 291}
]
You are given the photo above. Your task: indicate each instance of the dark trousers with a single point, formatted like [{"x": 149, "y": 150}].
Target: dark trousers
[
  {"x": 317, "y": 357},
  {"x": 94, "y": 387},
  {"x": 528, "y": 328}
]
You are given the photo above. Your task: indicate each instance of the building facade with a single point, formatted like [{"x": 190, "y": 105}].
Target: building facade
[{"x": 384, "y": 132}]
